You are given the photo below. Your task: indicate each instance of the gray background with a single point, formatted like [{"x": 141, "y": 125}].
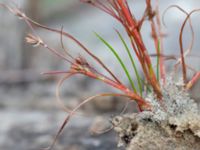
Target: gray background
[{"x": 29, "y": 114}]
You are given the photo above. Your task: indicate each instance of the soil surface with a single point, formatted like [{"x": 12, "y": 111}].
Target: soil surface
[
  {"x": 33, "y": 130},
  {"x": 138, "y": 133}
]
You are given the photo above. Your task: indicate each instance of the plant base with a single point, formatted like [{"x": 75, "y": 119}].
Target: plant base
[{"x": 172, "y": 125}]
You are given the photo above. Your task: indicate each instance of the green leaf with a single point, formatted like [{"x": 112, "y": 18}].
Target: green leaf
[
  {"x": 147, "y": 87},
  {"x": 119, "y": 59},
  {"x": 132, "y": 61},
  {"x": 158, "y": 62}
]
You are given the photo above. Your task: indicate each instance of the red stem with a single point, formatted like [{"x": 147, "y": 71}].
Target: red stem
[{"x": 132, "y": 29}]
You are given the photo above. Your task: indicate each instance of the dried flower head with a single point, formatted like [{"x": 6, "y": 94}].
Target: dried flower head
[{"x": 34, "y": 40}]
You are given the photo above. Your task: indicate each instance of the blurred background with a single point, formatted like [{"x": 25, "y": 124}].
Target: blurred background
[{"x": 29, "y": 113}]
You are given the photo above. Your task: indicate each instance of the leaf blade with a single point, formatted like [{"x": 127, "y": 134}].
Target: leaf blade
[
  {"x": 132, "y": 61},
  {"x": 119, "y": 60}
]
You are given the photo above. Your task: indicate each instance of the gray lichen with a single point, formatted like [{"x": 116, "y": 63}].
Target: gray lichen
[{"x": 173, "y": 124}]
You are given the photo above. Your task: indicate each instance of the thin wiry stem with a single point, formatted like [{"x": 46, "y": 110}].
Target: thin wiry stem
[
  {"x": 131, "y": 25},
  {"x": 191, "y": 29},
  {"x": 60, "y": 102},
  {"x": 83, "y": 47},
  {"x": 68, "y": 117},
  {"x": 144, "y": 57},
  {"x": 161, "y": 35},
  {"x": 21, "y": 15},
  {"x": 63, "y": 46},
  {"x": 157, "y": 37},
  {"x": 103, "y": 7},
  {"x": 98, "y": 132},
  {"x": 37, "y": 41},
  {"x": 193, "y": 81},
  {"x": 181, "y": 45},
  {"x": 172, "y": 57}
]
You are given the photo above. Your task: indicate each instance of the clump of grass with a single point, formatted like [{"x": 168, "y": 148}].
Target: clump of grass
[{"x": 119, "y": 9}]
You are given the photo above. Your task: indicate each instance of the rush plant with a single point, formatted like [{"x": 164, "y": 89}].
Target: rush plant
[{"x": 120, "y": 10}]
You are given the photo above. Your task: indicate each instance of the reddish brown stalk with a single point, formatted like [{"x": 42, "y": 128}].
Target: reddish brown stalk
[
  {"x": 63, "y": 46},
  {"x": 37, "y": 41},
  {"x": 54, "y": 72},
  {"x": 82, "y": 46},
  {"x": 175, "y": 57},
  {"x": 193, "y": 81},
  {"x": 81, "y": 66},
  {"x": 120, "y": 10},
  {"x": 183, "y": 54},
  {"x": 123, "y": 21},
  {"x": 156, "y": 34},
  {"x": 132, "y": 29},
  {"x": 181, "y": 45},
  {"x": 102, "y": 6},
  {"x": 68, "y": 117},
  {"x": 172, "y": 57},
  {"x": 165, "y": 57},
  {"x": 30, "y": 22},
  {"x": 133, "y": 96},
  {"x": 161, "y": 35},
  {"x": 60, "y": 102},
  {"x": 151, "y": 14}
]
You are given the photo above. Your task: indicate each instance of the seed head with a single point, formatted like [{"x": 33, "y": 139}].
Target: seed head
[{"x": 34, "y": 40}]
